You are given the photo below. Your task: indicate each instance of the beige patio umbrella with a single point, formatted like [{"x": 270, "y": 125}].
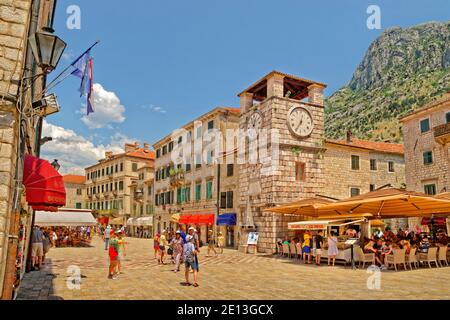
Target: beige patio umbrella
[
  {"x": 444, "y": 195},
  {"x": 389, "y": 203},
  {"x": 305, "y": 207}
]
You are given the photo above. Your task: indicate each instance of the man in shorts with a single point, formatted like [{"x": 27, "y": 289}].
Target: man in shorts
[
  {"x": 319, "y": 245},
  {"x": 307, "y": 247},
  {"x": 37, "y": 248},
  {"x": 190, "y": 259}
]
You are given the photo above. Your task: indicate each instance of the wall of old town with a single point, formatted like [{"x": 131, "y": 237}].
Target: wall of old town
[
  {"x": 341, "y": 177},
  {"x": 14, "y": 19},
  {"x": 416, "y": 143}
]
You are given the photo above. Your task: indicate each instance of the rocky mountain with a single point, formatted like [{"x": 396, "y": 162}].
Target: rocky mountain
[{"x": 402, "y": 70}]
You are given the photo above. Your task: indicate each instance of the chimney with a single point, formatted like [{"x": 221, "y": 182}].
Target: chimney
[
  {"x": 146, "y": 146},
  {"x": 129, "y": 147},
  {"x": 108, "y": 154},
  {"x": 136, "y": 145},
  {"x": 349, "y": 136}
]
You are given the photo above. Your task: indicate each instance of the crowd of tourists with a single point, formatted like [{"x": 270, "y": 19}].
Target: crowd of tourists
[{"x": 382, "y": 244}]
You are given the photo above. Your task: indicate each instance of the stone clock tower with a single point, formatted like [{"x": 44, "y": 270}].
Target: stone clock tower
[{"x": 288, "y": 112}]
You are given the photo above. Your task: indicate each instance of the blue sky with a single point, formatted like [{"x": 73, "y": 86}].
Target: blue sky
[{"x": 170, "y": 61}]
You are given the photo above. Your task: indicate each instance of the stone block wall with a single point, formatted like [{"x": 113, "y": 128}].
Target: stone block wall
[
  {"x": 416, "y": 143},
  {"x": 14, "y": 17}
]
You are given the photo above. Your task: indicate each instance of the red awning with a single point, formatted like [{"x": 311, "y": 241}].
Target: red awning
[
  {"x": 43, "y": 184},
  {"x": 197, "y": 219}
]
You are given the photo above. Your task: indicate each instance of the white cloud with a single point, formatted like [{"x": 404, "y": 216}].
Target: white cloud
[
  {"x": 107, "y": 109},
  {"x": 154, "y": 108},
  {"x": 74, "y": 152}
]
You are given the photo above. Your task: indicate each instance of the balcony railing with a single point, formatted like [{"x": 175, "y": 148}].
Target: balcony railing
[{"x": 442, "y": 133}]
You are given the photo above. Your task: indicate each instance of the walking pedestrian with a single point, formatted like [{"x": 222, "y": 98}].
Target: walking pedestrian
[
  {"x": 156, "y": 245},
  {"x": 307, "y": 247},
  {"x": 162, "y": 246},
  {"x": 190, "y": 259},
  {"x": 46, "y": 244},
  {"x": 122, "y": 253},
  {"x": 211, "y": 244},
  {"x": 37, "y": 249},
  {"x": 113, "y": 256},
  {"x": 220, "y": 242},
  {"x": 177, "y": 247},
  {"x": 106, "y": 236}
]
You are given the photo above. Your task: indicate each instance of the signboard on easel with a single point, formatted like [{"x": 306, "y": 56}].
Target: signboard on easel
[{"x": 252, "y": 238}]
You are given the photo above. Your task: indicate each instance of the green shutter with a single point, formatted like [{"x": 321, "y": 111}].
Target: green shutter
[
  {"x": 183, "y": 195},
  {"x": 209, "y": 190},
  {"x": 179, "y": 195},
  {"x": 198, "y": 190}
]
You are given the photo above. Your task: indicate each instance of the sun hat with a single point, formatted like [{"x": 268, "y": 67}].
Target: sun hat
[{"x": 178, "y": 231}]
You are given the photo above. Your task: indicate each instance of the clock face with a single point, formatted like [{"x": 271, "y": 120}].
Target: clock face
[
  {"x": 300, "y": 121},
  {"x": 254, "y": 124}
]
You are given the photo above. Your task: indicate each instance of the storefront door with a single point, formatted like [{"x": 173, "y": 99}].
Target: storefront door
[{"x": 230, "y": 236}]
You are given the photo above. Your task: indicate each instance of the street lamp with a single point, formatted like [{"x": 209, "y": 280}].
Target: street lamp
[
  {"x": 47, "y": 49},
  {"x": 56, "y": 165}
]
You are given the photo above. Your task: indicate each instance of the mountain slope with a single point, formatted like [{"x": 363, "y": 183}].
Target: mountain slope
[{"x": 402, "y": 70}]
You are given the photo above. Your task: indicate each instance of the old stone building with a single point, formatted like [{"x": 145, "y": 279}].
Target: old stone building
[
  {"x": 426, "y": 134},
  {"x": 294, "y": 161},
  {"x": 142, "y": 207},
  {"x": 354, "y": 167},
  {"x": 21, "y": 83},
  {"x": 75, "y": 191},
  {"x": 186, "y": 181},
  {"x": 108, "y": 183}
]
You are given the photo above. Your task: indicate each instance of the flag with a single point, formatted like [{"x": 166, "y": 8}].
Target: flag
[
  {"x": 81, "y": 66},
  {"x": 90, "y": 107}
]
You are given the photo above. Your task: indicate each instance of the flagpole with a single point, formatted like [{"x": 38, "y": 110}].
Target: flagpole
[{"x": 67, "y": 68}]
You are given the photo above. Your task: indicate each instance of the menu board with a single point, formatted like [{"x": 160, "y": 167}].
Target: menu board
[{"x": 252, "y": 238}]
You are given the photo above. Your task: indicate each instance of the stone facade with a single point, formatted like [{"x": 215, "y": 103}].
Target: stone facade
[
  {"x": 436, "y": 139},
  {"x": 341, "y": 178},
  {"x": 108, "y": 183},
  {"x": 187, "y": 175},
  {"x": 75, "y": 191},
  {"x": 142, "y": 205},
  {"x": 16, "y": 24},
  {"x": 292, "y": 166}
]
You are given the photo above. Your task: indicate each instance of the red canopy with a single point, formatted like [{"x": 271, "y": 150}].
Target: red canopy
[
  {"x": 437, "y": 221},
  {"x": 43, "y": 184},
  {"x": 197, "y": 219}
]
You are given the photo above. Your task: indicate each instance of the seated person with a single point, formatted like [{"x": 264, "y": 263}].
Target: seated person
[
  {"x": 404, "y": 244},
  {"x": 424, "y": 245},
  {"x": 386, "y": 249},
  {"x": 368, "y": 248},
  {"x": 377, "y": 246}
]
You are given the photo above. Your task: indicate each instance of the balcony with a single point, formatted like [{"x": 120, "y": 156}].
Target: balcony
[
  {"x": 108, "y": 212},
  {"x": 97, "y": 195},
  {"x": 115, "y": 193},
  {"x": 442, "y": 133},
  {"x": 176, "y": 177}
]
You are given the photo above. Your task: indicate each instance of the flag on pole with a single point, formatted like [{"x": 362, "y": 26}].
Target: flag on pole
[
  {"x": 81, "y": 66},
  {"x": 90, "y": 107}
]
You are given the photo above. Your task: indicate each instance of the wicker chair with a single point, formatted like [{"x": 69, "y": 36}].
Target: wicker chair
[
  {"x": 430, "y": 256},
  {"x": 442, "y": 256},
  {"x": 292, "y": 249},
  {"x": 364, "y": 257},
  {"x": 298, "y": 246},
  {"x": 411, "y": 258},
  {"x": 398, "y": 257},
  {"x": 286, "y": 250}
]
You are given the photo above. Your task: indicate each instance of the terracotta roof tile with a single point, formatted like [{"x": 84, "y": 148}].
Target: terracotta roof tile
[
  {"x": 72, "y": 178},
  {"x": 141, "y": 153},
  {"x": 371, "y": 145}
]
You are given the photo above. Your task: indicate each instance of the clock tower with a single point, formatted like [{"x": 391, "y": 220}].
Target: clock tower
[{"x": 285, "y": 114}]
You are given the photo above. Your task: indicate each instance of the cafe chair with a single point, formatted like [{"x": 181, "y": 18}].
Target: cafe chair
[
  {"x": 364, "y": 257},
  {"x": 430, "y": 256},
  {"x": 298, "y": 246},
  {"x": 442, "y": 256},
  {"x": 411, "y": 258},
  {"x": 292, "y": 249},
  {"x": 286, "y": 251},
  {"x": 398, "y": 257}
]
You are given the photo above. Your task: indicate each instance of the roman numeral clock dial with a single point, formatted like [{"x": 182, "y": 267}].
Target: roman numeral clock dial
[
  {"x": 254, "y": 124},
  {"x": 300, "y": 122}
]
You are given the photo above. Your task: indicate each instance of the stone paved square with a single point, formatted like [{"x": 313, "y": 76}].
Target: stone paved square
[{"x": 233, "y": 275}]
